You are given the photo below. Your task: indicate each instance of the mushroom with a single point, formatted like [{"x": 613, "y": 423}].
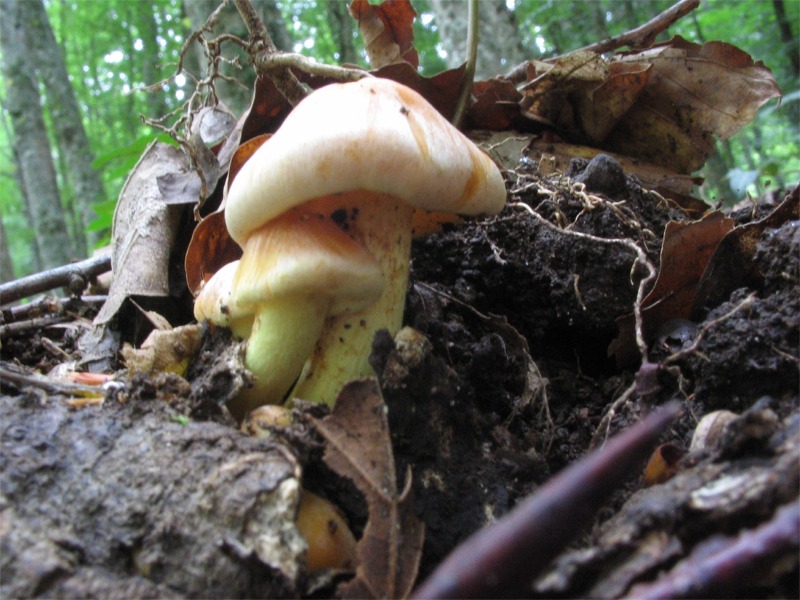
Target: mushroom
[{"x": 345, "y": 172}]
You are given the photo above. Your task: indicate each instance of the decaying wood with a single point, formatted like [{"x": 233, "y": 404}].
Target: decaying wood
[{"x": 127, "y": 499}]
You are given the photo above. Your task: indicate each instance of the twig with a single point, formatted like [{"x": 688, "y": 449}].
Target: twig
[
  {"x": 721, "y": 572},
  {"x": 261, "y": 45},
  {"x": 504, "y": 558},
  {"x": 20, "y": 379},
  {"x": 283, "y": 60},
  {"x": 49, "y": 305},
  {"x": 465, "y": 93},
  {"x": 644, "y": 35},
  {"x": 640, "y": 37},
  {"x": 75, "y": 275}
]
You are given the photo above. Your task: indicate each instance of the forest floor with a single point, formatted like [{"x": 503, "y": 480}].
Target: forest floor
[{"x": 512, "y": 382}]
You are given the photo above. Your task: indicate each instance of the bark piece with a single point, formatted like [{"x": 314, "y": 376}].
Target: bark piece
[{"x": 123, "y": 500}]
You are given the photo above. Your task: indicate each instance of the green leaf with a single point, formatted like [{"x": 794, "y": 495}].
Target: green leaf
[{"x": 131, "y": 151}]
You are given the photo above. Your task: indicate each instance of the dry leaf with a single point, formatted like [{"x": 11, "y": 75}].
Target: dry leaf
[
  {"x": 733, "y": 266},
  {"x": 211, "y": 247},
  {"x": 685, "y": 254},
  {"x": 669, "y": 184},
  {"x": 359, "y": 447},
  {"x": 164, "y": 351},
  {"x": 144, "y": 230},
  {"x": 387, "y": 30},
  {"x": 694, "y": 94},
  {"x": 496, "y": 106},
  {"x": 665, "y": 105}
]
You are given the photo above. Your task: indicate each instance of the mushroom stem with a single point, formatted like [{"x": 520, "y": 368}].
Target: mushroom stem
[
  {"x": 283, "y": 336},
  {"x": 382, "y": 225}
]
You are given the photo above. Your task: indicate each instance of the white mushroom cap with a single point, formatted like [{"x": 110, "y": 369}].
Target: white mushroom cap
[
  {"x": 302, "y": 254},
  {"x": 373, "y": 134}
]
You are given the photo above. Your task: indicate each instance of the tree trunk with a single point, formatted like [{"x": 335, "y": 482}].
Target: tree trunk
[
  {"x": 230, "y": 22},
  {"x": 343, "y": 27},
  {"x": 6, "y": 266},
  {"x": 499, "y": 48},
  {"x": 149, "y": 57},
  {"x": 32, "y": 145},
  {"x": 67, "y": 121},
  {"x": 790, "y": 42}
]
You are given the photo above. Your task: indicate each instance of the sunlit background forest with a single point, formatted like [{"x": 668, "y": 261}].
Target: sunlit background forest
[{"x": 113, "y": 49}]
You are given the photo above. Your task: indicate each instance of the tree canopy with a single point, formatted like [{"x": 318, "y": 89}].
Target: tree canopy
[{"x": 120, "y": 57}]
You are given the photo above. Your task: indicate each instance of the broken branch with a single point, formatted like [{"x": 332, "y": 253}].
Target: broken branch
[
  {"x": 640, "y": 37},
  {"x": 263, "y": 46},
  {"x": 75, "y": 275}
]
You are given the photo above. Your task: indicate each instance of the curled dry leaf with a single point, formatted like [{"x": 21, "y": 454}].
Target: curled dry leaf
[
  {"x": 733, "y": 266},
  {"x": 666, "y": 105},
  {"x": 144, "y": 230},
  {"x": 359, "y": 447},
  {"x": 685, "y": 254},
  {"x": 387, "y": 30},
  {"x": 695, "y": 92},
  {"x": 164, "y": 350}
]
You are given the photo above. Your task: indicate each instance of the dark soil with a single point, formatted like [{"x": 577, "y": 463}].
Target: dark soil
[{"x": 505, "y": 382}]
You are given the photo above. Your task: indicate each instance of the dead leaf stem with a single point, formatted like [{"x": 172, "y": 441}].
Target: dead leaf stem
[{"x": 465, "y": 93}]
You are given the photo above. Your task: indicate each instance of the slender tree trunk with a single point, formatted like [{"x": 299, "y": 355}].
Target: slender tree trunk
[
  {"x": 790, "y": 42},
  {"x": 67, "y": 121},
  {"x": 32, "y": 145},
  {"x": 33, "y": 262},
  {"x": 6, "y": 267},
  {"x": 499, "y": 48},
  {"x": 343, "y": 27}
]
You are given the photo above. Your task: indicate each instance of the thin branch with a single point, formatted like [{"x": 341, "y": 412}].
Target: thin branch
[
  {"x": 21, "y": 379},
  {"x": 287, "y": 59},
  {"x": 261, "y": 47},
  {"x": 640, "y": 37},
  {"x": 465, "y": 93},
  {"x": 76, "y": 276}
]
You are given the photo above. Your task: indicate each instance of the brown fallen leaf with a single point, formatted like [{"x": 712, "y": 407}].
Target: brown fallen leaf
[
  {"x": 359, "y": 447},
  {"x": 685, "y": 253},
  {"x": 144, "y": 230},
  {"x": 695, "y": 94},
  {"x": 211, "y": 247},
  {"x": 167, "y": 351},
  {"x": 666, "y": 105},
  {"x": 669, "y": 184},
  {"x": 733, "y": 266},
  {"x": 387, "y": 30}
]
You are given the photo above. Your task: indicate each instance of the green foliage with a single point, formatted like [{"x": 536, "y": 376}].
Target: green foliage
[{"x": 114, "y": 48}]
